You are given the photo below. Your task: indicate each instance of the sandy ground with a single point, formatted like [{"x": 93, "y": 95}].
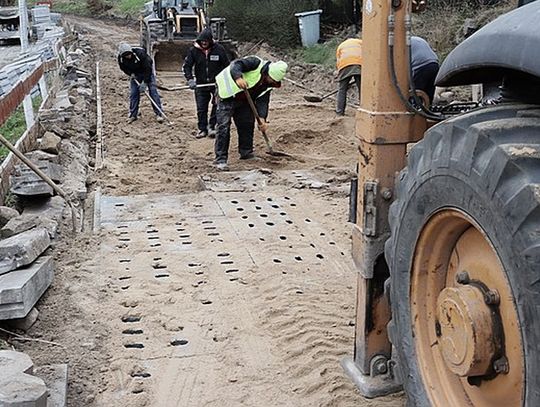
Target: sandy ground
[{"x": 273, "y": 336}]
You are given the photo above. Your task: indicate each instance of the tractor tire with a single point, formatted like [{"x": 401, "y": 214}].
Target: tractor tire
[{"x": 475, "y": 177}]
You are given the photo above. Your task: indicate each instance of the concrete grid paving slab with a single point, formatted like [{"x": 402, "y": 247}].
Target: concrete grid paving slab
[{"x": 170, "y": 257}]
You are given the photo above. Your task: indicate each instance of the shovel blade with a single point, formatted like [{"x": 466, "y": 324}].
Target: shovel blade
[{"x": 313, "y": 99}]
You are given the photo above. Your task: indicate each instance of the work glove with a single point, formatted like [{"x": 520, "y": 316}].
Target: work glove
[
  {"x": 263, "y": 126},
  {"x": 143, "y": 87},
  {"x": 192, "y": 84},
  {"x": 241, "y": 83}
]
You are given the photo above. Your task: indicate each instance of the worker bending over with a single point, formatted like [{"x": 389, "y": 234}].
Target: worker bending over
[
  {"x": 424, "y": 65},
  {"x": 207, "y": 58},
  {"x": 135, "y": 62},
  {"x": 349, "y": 65},
  {"x": 256, "y": 76}
]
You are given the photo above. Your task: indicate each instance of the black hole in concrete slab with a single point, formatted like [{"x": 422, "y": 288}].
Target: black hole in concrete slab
[
  {"x": 124, "y": 278},
  {"x": 125, "y": 239},
  {"x": 122, "y": 226},
  {"x": 287, "y": 198},
  {"x": 251, "y": 225},
  {"x": 299, "y": 292},
  {"x": 301, "y": 234},
  {"x": 332, "y": 243},
  {"x": 298, "y": 258},
  {"x": 207, "y": 222},
  {"x": 125, "y": 260},
  {"x": 293, "y": 204},
  {"x": 234, "y": 202},
  {"x": 298, "y": 175},
  {"x": 290, "y": 222},
  {"x": 186, "y": 243},
  {"x": 275, "y": 206},
  {"x": 179, "y": 342},
  {"x": 252, "y": 200},
  {"x": 210, "y": 228},
  {"x": 269, "y": 199},
  {"x": 343, "y": 254},
  {"x": 213, "y": 234},
  {"x": 312, "y": 245},
  {"x": 119, "y": 204},
  {"x": 262, "y": 239},
  {"x": 194, "y": 264},
  {"x": 159, "y": 266},
  {"x": 125, "y": 232},
  {"x": 277, "y": 260},
  {"x": 157, "y": 258},
  {"x": 178, "y": 223},
  {"x": 308, "y": 220},
  {"x": 270, "y": 223},
  {"x": 263, "y": 215},
  {"x": 245, "y": 217},
  {"x": 283, "y": 213},
  {"x": 155, "y": 245},
  {"x": 162, "y": 275},
  {"x": 254, "y": 184},
  {"x": 240, "y": 209},
  {"x": 232, "y": 271},
  {"x": 152, "y": 231},
  {"x": 206, "y": 302},
  {"x": 198, "y": 205},
  {"x": 125, "y": 287},
  {"x": 133, "y": 345},
  {"x": 322, "y": 234},
  {"x": 132, "y": 331},
  {"x": 233, "y": 279},
  {"x": 130, "y": 318},
  {"x": 143, "y": 375},
  {"x": 199, "y": 273},
  {"x": 227, "y": 262},
  {"x": 283, "y": 237},
  {"x": 258, "y": 208},
  {"x": 320, "y": 256},
  {"x": 184, "y": 236},
  {"x": 180, "y": 230},
  {"x": 153, "y": 237},
  {"x": 137, "y": 391},
  {"x": 223, "y": 254}
]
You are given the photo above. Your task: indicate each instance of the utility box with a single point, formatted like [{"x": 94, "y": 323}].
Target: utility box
[{"x": 310, "y": 27}]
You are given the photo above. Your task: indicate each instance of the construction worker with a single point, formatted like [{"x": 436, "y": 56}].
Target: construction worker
[
  {"x": 424, "y": 65},
  {"x": 256, "y": 76},
  {"x": 349, "y": 65},
  {"x": 135, "y": 62},
  {"x": 207, "y": 58}
]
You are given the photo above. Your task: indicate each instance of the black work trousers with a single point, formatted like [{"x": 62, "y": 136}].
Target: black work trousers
[
  {"x": 204, "y": 96},
  {"x": 424, "y": 79},
  {"x": 240, "y": 112}
]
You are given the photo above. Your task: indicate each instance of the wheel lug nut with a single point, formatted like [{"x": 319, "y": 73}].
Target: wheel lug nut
[
  {"x": 501, "y": 365},
  {"x": 492, "y": 297},
  {"x": 463, "y": 277}
]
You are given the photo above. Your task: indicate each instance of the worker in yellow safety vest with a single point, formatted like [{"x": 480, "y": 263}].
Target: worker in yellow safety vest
[
  {"x": 349, "y": 65},
  {"x": 256, "y": 76}
]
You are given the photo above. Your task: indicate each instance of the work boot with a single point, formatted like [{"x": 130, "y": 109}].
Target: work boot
[
  {"x": 222, "y": 166},
  {"x": 159, "y": 119},
  {"x": 131, "y": 119},
  {"x": 249, "y": 156},
  {"x": 212, "y": 132},
  {"x": 201, "y": 134}
]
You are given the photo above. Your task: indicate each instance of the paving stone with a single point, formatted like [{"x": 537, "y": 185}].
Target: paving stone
[
  {"x": 25, "y": 182},
  {"x": 21, "y": 289},
  {"x": 56, "y": 380},
  {"x": 18, "y": 386},
  {"x": 39, "y": 155},
  {"x": 23, "y": 223},
  {"x": 22, "y": 249},
  {"x": 50, "y": 143},
  {"x": 6, "y": 214},
  {"x": 24, "y": 324}
]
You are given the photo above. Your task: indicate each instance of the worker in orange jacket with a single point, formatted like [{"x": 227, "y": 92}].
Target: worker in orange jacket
[{"x": 349, "y": 65}]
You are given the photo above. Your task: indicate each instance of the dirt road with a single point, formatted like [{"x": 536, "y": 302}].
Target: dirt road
[{"x": 242, "y": 294}]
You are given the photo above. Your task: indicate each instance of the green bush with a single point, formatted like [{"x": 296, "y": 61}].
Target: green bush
[{"x": 271, "y": 21}]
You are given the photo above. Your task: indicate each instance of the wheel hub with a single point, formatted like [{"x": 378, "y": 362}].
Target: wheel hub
[{"x": 465, "y": 330}]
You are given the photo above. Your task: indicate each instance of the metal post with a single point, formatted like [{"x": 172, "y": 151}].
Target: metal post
[{"x": 23, "y": 26}]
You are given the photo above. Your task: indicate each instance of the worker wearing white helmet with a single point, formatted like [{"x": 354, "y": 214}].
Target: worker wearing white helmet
[{"x": 256, "y": 76}]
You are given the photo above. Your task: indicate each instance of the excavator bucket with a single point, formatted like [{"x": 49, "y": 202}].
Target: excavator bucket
[{"x": 168, "y": 59}]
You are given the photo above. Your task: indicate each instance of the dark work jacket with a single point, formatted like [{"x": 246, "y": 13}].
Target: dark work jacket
[
  {"x": 140, "y": 64},
  {"x": 206, "y": 63}
]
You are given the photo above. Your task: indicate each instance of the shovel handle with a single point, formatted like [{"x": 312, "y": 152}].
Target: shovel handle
[{"x": 259, "y": 120}]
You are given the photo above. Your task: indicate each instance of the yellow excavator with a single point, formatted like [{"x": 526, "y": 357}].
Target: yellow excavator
[
  {"x": 168, "y": 30},
  {"x": 447, "y": 238}
]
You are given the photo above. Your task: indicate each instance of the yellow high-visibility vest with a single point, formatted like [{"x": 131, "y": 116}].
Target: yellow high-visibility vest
[
  {"x": 349, "y": 53},
  {"x": 226, "y": 85}
]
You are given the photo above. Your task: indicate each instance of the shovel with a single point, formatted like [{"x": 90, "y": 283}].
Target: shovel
[
  {"x": 268, "y": 142},
  {"x": 205, "y": 85},
  {"x": 154, "y": 103},
  {"x": 318, "y": 99}
]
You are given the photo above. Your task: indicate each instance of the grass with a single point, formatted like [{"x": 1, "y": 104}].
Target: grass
[
  {"x": 131, "y": 7},
  {"x": 321, "y": 54},
  {"x": 128, "y": 8},
  {"x": 71, "y": 7},
  {"x": 15, "y": 126}
]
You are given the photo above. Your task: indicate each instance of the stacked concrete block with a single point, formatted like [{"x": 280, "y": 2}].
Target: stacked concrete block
[
  {"x": 21, "y": 289},
  {"x": 22, "y": 249},
  {"x": 25, "y": 182},
  {"x": 37, "y": 214}
]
